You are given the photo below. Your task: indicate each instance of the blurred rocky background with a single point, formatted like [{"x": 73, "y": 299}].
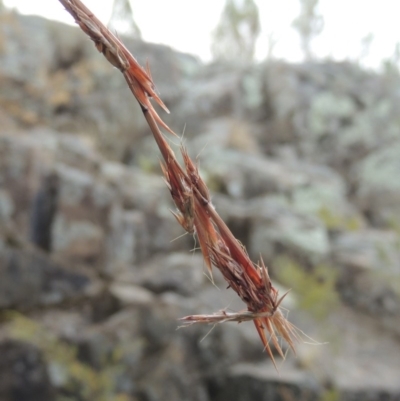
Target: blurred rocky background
[{"x": 303, "y": 161}]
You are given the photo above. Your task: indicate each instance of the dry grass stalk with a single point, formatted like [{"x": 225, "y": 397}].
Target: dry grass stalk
[{"x": 195, "y": 212}]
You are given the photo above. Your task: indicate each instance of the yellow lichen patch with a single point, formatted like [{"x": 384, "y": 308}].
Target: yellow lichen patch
[
  {"x": 315, "y": 290},
  {"x": 330, "y": 395},
  {"x": 66, "y": 370},
  {"x": 333, "y": 221}
]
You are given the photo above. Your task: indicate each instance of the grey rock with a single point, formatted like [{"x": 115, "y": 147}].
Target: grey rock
[
  {"x": 180, "y": 273},
  {"x": 138, "y": 189},
  {"x": 30, "y": 279},
  {"x": 75, "y": 185},
  {"x": 214, "y": 92},
  {"x": 43, "y": 209},
  {"x": 173, "y": 376},
  {"x": 75, "y": 150},
  {"x": 327, "y": 112},
  {"x": 224, "y": 133},
  {"x": 321, "y": 189},
  {"x": 128, "y": 242},
  {"x": 331, "y": 110},
  {"x": 369, "y": 250},
  {"x": 72, "y": 87},
  {"x": 378, "y": 187},
  {"x": 311, "y": 190},
  {"x": 262, "y": 382},
  {"x": 246, "y": 176},
  {"x": 370, "y": 275},
  {"x": 6, "y": 207},
  {"x": 145, "y": 200},
  {"x": 270, "y": 226},
  {"x": 66, "y": 324},
  {"x": 129, "y": 294},
  {"x": 364, "y": 357},
  {"x": 78, "y": 239},
  {"x": 165, "y": 233},
  {"x": 23, "y": 373},
  {"x": 276, "y": 227}
]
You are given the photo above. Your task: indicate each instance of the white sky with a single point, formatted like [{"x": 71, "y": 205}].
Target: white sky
[{"x": 186, "y": 25}]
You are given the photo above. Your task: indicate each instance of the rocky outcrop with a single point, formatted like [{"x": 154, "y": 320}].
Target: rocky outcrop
[{"x": 302, "y": 163}]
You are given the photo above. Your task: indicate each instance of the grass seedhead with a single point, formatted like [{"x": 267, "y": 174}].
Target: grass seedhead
[{"x": 195, "y": 212}]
